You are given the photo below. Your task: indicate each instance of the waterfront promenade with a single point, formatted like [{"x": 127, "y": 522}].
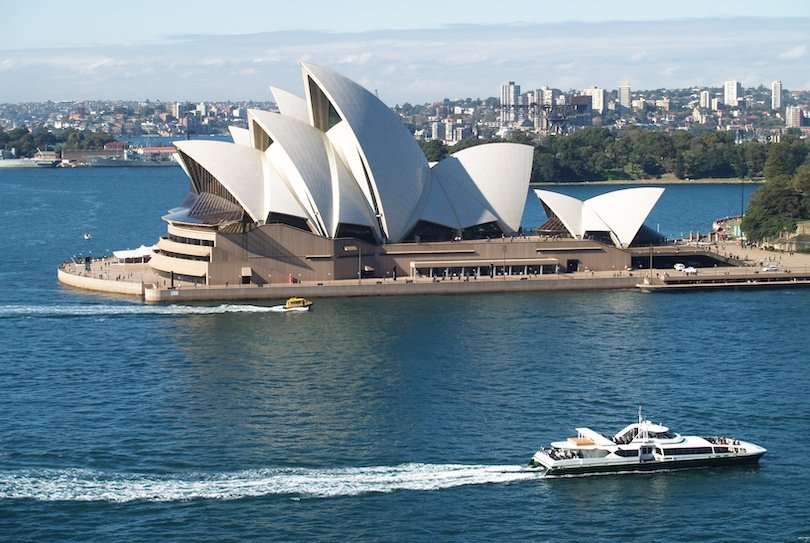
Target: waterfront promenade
[{"x": 107, "y": 275}]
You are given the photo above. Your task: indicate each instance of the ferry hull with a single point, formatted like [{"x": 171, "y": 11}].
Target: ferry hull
[{"x": 653, "y": 465}]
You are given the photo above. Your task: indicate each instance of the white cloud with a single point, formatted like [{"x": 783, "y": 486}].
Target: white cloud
[
  {"x": 795, "y": 53},
  {"x": 669, "y": 71},
  {"x": 362, "y": 58},
  {"x": 421, "y": 65}
]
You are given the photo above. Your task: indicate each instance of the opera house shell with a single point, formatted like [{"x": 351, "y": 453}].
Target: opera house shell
[
  {"x": 335, "y": 164},
  {"x": 615, "y": 217},
  {"x": 333, "y": 186}
]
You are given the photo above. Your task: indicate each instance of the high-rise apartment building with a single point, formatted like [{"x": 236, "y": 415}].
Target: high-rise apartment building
[
  {"x": 510, "y": 99},
  {"x": 793, "y": 117},
  {"x": 705, "y": 99},
  {"x": 547, "y": 96},
  {"x": 776, "y": 95},
  {"x": 731, "y": 93},
  {"x": 598, "y": 98},
  {"x": 624, "y": 95}
]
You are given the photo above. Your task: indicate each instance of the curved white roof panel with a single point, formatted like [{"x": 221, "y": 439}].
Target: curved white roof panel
[
  {"x": 566, "y": 208},
  {"x": 394, "y": 164},
  {"x": 621, "y": 212},
  {"x": 350, "y": 207},
  {"x": 290, "y": 104},
  {"x": 319, "y": 180},
  {"x": 240, "y": 136},
  {"x": 457, "y": 200},
  {"x": 278, "y": 198},
  {"x": 624, "y": 211},
  {"x": 236, "y": 167},
  {"x": 297, "y": 151},
  {"x": 501, "y": 172}
]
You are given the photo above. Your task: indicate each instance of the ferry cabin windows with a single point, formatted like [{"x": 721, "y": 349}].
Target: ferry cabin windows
[{"x": 687, "y": 450}]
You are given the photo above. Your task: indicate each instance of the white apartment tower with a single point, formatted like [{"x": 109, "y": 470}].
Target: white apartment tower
[
  {"x": 598, "y": 98},
  {"x": 776, "y": 95},
  {"x": 547, "y": 96},
  {"x": 705, "y": 99},
  {"x": 793, "y": 117},
  {"x": 510, "y": 99},
  {"x": 731, "y": 93},
  {"x": 624, "y": 95}
]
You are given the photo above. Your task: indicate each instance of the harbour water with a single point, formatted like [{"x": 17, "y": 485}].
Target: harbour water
[{"x": 378, "y": 419}]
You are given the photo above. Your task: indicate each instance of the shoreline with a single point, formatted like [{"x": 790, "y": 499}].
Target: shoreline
[
  {"x": 662, "y": 181},
  {"x": 140, "y": 281}
]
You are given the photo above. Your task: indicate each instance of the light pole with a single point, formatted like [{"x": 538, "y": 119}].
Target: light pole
[{"x": 359, "y": 265}]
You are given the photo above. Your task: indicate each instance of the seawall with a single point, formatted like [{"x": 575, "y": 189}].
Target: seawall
[
  {"x": 100, "y": 285},
  {"x": 370, "y": 287}
]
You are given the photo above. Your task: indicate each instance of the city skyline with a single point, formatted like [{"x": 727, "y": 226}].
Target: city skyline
[{"x": 410, "y": 57}]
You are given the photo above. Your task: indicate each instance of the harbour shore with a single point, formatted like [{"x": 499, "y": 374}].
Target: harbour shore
[{"x": 139, "y": 280}]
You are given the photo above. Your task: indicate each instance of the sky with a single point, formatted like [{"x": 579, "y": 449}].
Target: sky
[{"x": 416, "y": 51}]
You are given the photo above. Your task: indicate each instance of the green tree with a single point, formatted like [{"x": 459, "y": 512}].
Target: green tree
[
  {"x": 773, "y": 209},
  {"x": 801, "y": 180},
  {"x": 434, "y": 150},
  {"x": 785, "y": 157}
]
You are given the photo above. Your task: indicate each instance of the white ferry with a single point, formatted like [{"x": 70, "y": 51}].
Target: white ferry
[{"x": 642, "y": 446}]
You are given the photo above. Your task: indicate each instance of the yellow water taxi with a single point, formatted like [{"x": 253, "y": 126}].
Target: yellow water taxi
[{"x": 297, "y": 304}]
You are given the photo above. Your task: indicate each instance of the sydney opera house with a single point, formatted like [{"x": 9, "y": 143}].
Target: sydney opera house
[{"x": 334, "y": 186}]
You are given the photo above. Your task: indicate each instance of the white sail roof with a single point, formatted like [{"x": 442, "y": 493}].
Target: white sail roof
[
  {"x": 393, "y": 164},
  {"x": 566, "y": 208},
  {"x": 341, "y": 156},
  {"x": 621, "y": 213},
  {"x": 290, "y": 105},
  {"x": 237, "y": 168},
  {"x": 240, "y": 136},
  {"x": 624, "y": 211},
  {"x": 455, "y": 199},
  {"x": 321, "y": 184},
  {"x": 501, "y": 173}
]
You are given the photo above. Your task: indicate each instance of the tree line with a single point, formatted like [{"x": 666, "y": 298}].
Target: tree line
[
  {"x": 27, "y": 142},
  {"x": 601, "y": 154},
  {"x": 785, "y": 198}
]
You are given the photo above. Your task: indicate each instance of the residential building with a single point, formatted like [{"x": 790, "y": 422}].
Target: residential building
[
  {"x": 510, "y": 101},
  {"x": 598, "y": 98},
  {"x": 731, "y": 93},
  {"x": 624, "y": 96},
  {"x": 776, "y": 95},
  {"x": 793, "y": 117}
]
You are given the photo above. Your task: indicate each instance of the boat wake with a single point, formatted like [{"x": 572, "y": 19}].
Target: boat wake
[
  {"x": 90, "y": 485},
  {"x": 115, "y": 310}
]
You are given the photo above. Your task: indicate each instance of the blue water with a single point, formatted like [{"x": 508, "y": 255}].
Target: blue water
[{"x": 379, "y": 419}]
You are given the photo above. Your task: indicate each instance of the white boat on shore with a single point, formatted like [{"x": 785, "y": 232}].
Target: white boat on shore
[{"x": 642, "y": 446}]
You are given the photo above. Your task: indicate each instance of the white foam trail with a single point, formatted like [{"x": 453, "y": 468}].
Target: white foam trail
[
  {"x": 133, "y": 309},
  {"x": 89, "y": 485}
]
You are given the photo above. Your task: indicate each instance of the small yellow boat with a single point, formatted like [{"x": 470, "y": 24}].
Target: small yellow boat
[{"x": 297, "y": 304}]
